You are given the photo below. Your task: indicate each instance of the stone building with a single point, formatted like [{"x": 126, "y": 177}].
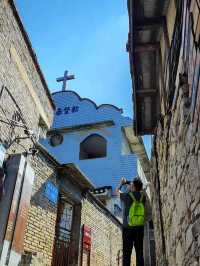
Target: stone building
[
  {"x": 26, "y": 104},
  {"x": 73, "y": 228},
  {"x": 26, "y": 112},
  {"x": 164, "y": 51}
]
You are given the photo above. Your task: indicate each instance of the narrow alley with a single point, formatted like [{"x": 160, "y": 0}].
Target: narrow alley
[{"x": 106, "y": 173}]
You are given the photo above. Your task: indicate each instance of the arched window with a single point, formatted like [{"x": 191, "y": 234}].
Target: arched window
[{"x": 94, "y": 146}]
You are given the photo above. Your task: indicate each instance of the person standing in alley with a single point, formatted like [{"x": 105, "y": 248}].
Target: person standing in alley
[{"x": 133, "y": 199}]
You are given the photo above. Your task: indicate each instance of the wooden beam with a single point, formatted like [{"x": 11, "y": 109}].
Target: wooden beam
[
  {"x": 148, "y": 23},
  {"x": 146, "y": 47}
]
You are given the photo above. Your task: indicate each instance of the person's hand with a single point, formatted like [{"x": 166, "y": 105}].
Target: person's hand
[{"x": 122, "y": 181}]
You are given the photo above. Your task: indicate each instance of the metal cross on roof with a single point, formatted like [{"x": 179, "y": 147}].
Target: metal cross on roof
[{"x": 64, "y": 79}]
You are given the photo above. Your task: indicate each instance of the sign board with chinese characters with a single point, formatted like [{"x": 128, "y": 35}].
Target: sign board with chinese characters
[
  {"x": 73, "y": 110},
  {"x": 51, "y": 192},
  {"x": 67, "y": 110},
  {"x": 2, "y": 154}
]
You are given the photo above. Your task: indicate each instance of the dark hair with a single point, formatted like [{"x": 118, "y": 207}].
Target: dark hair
[
  {"x": 127, "y": 182},
  {"x": 138, "y": 184}
]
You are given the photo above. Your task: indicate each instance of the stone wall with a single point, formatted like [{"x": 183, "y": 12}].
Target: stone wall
[
  {"x": 40, "y": 232},
  {"x": 176, "y": 159},
  {"x": 21, "y": 75},
  {"x": 106, "y": 235},
  {"x": 177, "y": 182},
  {"x": 25, "y": 103},
  {"x": 32, "y": 259}
]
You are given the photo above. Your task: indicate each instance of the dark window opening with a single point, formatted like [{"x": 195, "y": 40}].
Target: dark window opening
[{"x": 94, "y": 146}]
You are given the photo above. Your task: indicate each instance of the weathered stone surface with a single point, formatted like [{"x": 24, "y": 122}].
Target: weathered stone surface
[
  {"x": 18, "y": 73},
  {"x": 176, "y": 171},
  {"x": 40, "y": 231},
  {"x": 106, "y": 236}
]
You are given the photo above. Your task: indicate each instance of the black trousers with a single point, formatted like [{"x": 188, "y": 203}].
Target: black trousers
[{"x": 133, "y": 237}]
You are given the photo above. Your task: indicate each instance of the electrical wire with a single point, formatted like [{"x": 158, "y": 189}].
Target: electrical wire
[{"x": 12, "y": 123}]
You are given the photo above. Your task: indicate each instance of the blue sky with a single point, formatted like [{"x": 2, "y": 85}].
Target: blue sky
[{"x": 88, "y": 38}]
